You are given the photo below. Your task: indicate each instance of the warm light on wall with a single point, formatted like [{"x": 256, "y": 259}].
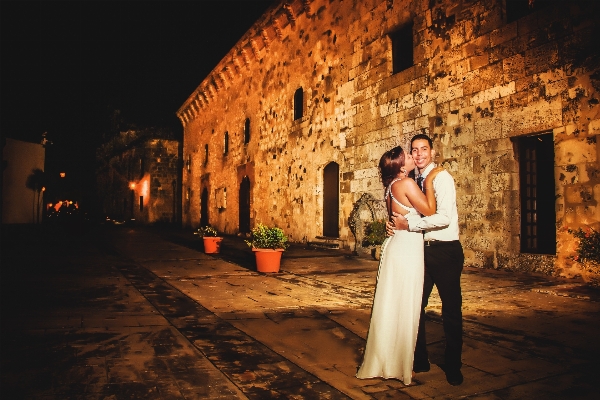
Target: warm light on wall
[{"x": 145, "y": 187}]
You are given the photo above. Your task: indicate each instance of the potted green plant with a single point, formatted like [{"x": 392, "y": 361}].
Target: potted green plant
[
  {"x": 267, "y": 243},
  {"x": 211, "y": 239},
  {"x": 375, "y": 235}
]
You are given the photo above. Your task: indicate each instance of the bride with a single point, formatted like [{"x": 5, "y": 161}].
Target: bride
[{"x": 397, "y": 302}]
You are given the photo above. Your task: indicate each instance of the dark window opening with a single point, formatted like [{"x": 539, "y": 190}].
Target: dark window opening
[
  {"x": 141, "y": 203},
  {"x": 298, "y": 104},
  {"x": 205, "y": 154},
  {"x": 244, "y": 205},
  {"x": 331, "y": 200},
  {"x": 402, "y": 48},
  {"x": 226, "y": 143},
  {"x": 538, "y": 210},
  {"x": 517, "y": 9},
  {"x": 204, "y": 208},
  {"x": 247, "y": 131}
]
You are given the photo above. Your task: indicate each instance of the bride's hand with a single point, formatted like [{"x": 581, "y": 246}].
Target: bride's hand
[{"x": 431, "y": 176}]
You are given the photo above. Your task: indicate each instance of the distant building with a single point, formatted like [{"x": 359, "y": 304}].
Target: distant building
[
  {"x": 22, "y": 182},
  {"x": 138, "y": 177},
  {"x": 291, "y": 123}
]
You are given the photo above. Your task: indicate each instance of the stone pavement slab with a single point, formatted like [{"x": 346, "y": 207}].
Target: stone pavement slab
[
  {"x": 519, "y": 329},
  {"x": 73, "y": 327},
  {"x": 143, "y": 313}
]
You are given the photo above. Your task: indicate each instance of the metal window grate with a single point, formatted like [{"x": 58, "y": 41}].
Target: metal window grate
[
  {"x": 530, "y": 197},
  {"x": 538, "y": 211}
]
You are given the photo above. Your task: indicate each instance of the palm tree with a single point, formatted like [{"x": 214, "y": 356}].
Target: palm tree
[{"x": 36, "y": 182}]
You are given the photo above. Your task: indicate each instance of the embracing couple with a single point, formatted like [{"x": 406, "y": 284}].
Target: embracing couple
[{"x": 422, "y": 250}]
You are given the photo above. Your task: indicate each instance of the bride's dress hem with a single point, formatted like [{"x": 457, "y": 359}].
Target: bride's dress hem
[{"x": 387, "y": 378}]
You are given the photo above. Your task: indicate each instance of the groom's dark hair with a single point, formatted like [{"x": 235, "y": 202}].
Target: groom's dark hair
[{"x": 421, "y": 136}]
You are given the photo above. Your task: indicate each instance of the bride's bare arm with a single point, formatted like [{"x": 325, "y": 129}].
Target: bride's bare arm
[{"x": 424, "y": 203}]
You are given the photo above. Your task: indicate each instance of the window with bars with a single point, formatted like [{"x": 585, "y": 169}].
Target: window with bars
[{"x": 536, "y": 175}]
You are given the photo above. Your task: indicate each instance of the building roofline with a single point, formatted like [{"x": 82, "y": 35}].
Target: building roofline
[{"x": 259, "y": 37}]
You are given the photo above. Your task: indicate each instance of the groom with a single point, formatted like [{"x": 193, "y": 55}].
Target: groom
[{"x": 443, "y": 260}]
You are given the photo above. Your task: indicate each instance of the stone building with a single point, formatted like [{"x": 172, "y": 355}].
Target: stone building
[
  {"x": 21, "y": 198},
  {"x": 139, "y": 177},
  {"x": 288, "y": 128}
]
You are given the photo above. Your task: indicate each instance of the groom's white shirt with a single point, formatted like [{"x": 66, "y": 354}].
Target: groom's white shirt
[{"x": 443, "y": 225}]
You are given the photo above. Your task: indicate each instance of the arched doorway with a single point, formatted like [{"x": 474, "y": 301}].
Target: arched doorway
[
  {"x": 244, "y": 211},
  {"x": 204, "y": 208},
  {"x": 331, "y": 200}
]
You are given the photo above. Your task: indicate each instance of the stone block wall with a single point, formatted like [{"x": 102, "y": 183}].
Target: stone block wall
[
  {"x": 477, "y": 84},
  {"x": 150, "y": 169}
]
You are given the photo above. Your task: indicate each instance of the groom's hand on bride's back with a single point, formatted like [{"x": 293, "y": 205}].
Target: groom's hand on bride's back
[
  {"x": 396, "y": 222},
  {"x": 389, "y": 227}
]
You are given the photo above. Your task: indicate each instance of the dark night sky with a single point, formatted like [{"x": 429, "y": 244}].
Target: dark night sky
[{"x": 65, "y": 64}]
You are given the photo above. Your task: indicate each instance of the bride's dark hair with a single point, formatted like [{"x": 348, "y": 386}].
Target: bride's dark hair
[{"x": 389, "y": 165}]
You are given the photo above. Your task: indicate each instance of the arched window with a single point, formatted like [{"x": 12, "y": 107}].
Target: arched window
[
  {"x": 247, "y": 131},
  {"x": 226, "y": 143},
  {"x": 205, "y": 154},
  {"x": 298, "y": 104}
]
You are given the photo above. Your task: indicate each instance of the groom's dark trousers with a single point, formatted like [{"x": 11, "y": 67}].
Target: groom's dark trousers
[{"x": 443, "y": 266}]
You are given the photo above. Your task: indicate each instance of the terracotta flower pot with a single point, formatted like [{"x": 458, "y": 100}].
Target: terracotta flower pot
[
  {"x": 212, "y": 244},
  {"x": 268, "y": 260}
]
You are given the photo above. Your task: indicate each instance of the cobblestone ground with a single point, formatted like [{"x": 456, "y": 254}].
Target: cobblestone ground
[{"x": 122, "y": 312}]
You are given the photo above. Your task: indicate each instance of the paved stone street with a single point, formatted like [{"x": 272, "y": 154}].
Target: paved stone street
[{"x": 119, "y": 312}]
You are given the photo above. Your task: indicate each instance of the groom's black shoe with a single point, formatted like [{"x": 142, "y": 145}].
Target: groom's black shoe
[
  {"x": 421, "y": 366},
  {"x": 454, "y": 376}
]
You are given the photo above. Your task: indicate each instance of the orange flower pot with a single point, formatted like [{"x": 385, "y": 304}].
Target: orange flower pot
[
  {"x": 212, "y": 244},
  {"x": 268, "y": 260}
]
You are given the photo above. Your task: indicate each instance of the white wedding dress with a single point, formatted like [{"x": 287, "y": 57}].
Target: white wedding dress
[{"x": 396, "y": 309}]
